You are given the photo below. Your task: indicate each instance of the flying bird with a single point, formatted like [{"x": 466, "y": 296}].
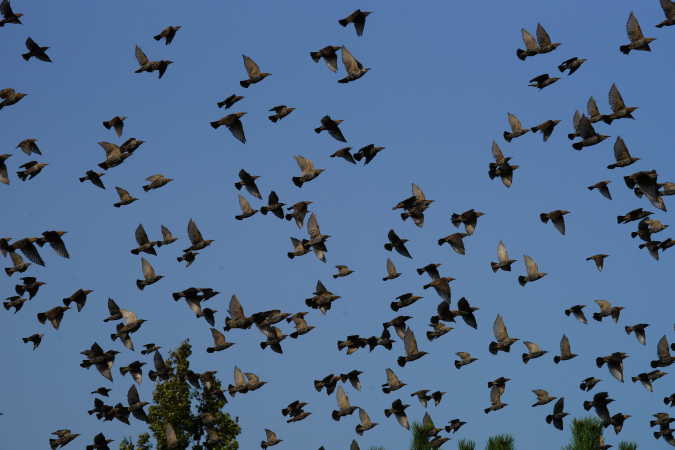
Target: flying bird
[
  {"x": 638, "y": 41},
  {"x": 329, "y": 55},
  {"x": 253, "y": 71},
  {"x": 34, "y": 50},
  {"x": 167, "y": 34},
  {"x": 233, "y": 123},
  {"x": 353, "y": 67},
  {"x": 145, "y": 65},
  {"x": 358, "y": 18}
]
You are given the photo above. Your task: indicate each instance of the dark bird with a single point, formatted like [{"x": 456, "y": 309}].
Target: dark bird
[
  {"x": 196, "y": 239},
  {"x": 246, "y": 210},
  {"x": 647, "y": 378},
  {"x": 329, "y": 55},
  {"x": 584, "y": 129},
  {"x": 344, "y": 407},
  {"x": 558, "y": 414},
  {"x": 15, "y": 302},
  {"x": 532, "y": 269},
  {"x": 431, "y": 269},
  {"x": 29, "y": 146},
  {"x": 34, "y": 50},
  {"x": 533, "y": 351},
  {"x": 358, "y": 18},
  {"x": 399, "y": 325},
  {"x": 594, "y": 114},
  {"x": 633, "y": 215},
  {"x": 571, "y": 64},
  {"x": 638, "y": 41},
  {"x": 517, "y": 129},
  {"x": 102, "y": 360},
  {"x": 8, "y": 15},
  {"x": 79, "y": 297},
  {"x": 270, "y": 439},
  {"x": 542, "y": 45},
  {"x": 607, "y": 310},
  {"x": 599, "y": 404},
  {"x": 639, "y": 330},
  {"x": 9, "y": 96},
  {"x": 274, "y": 337},
  {"x": 439, "y": 329},
  {"x": 229, "y": 101},
  {"x": 618, "y": 420},
  {"x": 621, "y": 155},
  {"x": 503, "y": 341},
  {"x": 145, "y": 65},
  {"x": 125, "y": 197},
  {"x": 249, "y": 182},
  {"x": 54, "y": 315},
  {"x": 368, "y": 153},
  {"x": 117, "y": 123},
  {"x": 135, "y": 404},
  {"x": 455, "y": 425},
  {"x": 31, "y": 170},
  {"x": 156, "y": 181},
  {"x": 135, "y": 369},
  {"x": 253, "y": 71},
  {"x": 393, "y": 383},
  {"x": 329, "y": 382},
  {"x": 619, "y": 108},
  {"x": 411, "y": 351},
  {"x": 149, "y": 348},
  {"x": 343, "y": 271},
  {"x": 307, "y": 171},
  {"x": 546, "y": 128},
  {"x": 4, "y": 176},
  {"x": 280, "y": 112},
  {"x": 565, "y": 351},
  {"x": 503, "y": 263},
  {"x": 299, "y": 212},
  {"x": 167, "y": 34},
  {"x": 131, "y": 325},
  {"x": 30, "y": 285},
  {"x": 599, "y": 260},
  {"x": 332, "y": 126},
  {"x": 670, "y": 400},
  {"x": 219, "y": 342},
  {"x": 273, "y": 205},
  {"x": 144, "y": 243},
  {"x": 233, "y": 123},
  {"x": 149, "y": 276},
  {"x": 468, "y": 218},
  {"x": 397, "y": 243},
  {"x": 114, "y": 312},
  {"x": 100, "y": 442},
  {"x": 94, "y": 177},
  {"x": 344, "y": 154},
  {"x": 669, "y": 11},
  {"x": 437, "y": 396},
  {"x": 602, "y": 187},
  {"x": 557, "y": 218},
  {"x": 64, "y": 437},
  {"x": 353, "y": 377},
  {"x": 589, "y": 383},
  {"x": 464, "y": 359},
  {"x": 577, "y": 311},
  {"x": 501, "y": 167},
  {"x": 398, "y": 410},
  {"x": 114, "y": 156},
  {"x": 353, "y": 67},
  {"x": 665, "y": 359},
  {"x": 614, "y": 364},
  {"x": 26, "y": 246},
  {"x": 300, "y": 248},
  {"x": 131, "y": 145},
  {"x": 162, "y": 371},
  {"x": 422, "y": 396},
  {"x": 365, "y": 422},
  {"x": 383, "y": 340},
  {"x": 543, "y": 397},
  {"x": 543, "y": 80},
  {"x": 442, "y": 287},
  {"x": 647, "y": 184},
  {"x": 301, "y": 326},
  {"x": 103, "y": 391},
  {"x": 352, "y": 343}
]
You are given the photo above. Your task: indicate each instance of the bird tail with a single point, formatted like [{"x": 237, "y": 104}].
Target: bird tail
[
  {"x": 146, "y": 188},
  {"x": 404, "y": 216},
  {"x": 634, "y": 379},
  {"x": 612, "y": 166},
  {"x": 458, "y": 365},
  {"x": 264, "y": 210},
  {"x": 386, "y": 390},
  {"x": 158, "y": 37},
  {"x": 152, "y": 375},
  {"x": 215, "y": 125},
  {"x": 316, "y": 56},
  {"x": 507, "y": 136},
  {"x": 113, "y": 336},
  {"x": 358, "y": 156},
  {"x": 534, "y": 129},
  {"x": 344, "y": 23},
  {"x": 9, "y": 271},
  {"x": 290, "y": 255},
  {"x": 317, "y": 130},
  {"x": 107, "y": 124},
  {"x": 401, "y": 361},
  {"x": 549, "y": 418},
  {"x": 578, "y": 145},
  {"x": 25, "y": 340},
  {"x": 495, "y": 266},
  {"x": 210, "y": 350},
  {"x": 568, "y": 312},
  {"x": 597, "y": 317},
  {"x": 22, "y": 174},
  {"x": 430, "y": 335},
  {"x": 544, "y": 217},
  {"x": 599, "y": 362},
  {"x": 607, "y": 119},
  {"x": 625, "y": 49},
  {"x": 274, "y": 119},
  {"x": 456, "y": 219},
  {"x": 294, "y": 335},
  {"x": 335, "y": 415},
  {"x": 220, "y": 104},
  {"x": 395, "y": 306},
  {"x": 633, "y": 234},
  {"x": 571, "y": 136},
  {"x": 7, "y": 306},
  {"x": 245, "y": 83},
  {"x": 124, "y": 370},
  {"x": 521, "y": 54},
  {"x": 526, "y": 358},
  {"x": 26, "y": 56},
  {"x": 135, "y": 251},
  {"x": 263, "y": 345},
  {"x": 140, "y": 284},
  {"x": 298, "y": 181},
  {"x": 20, "y": 289},
  {"x": 493, "y": 348},
  {"x": 522, "y": 280},
  {"x": 556, "y": 359},
  {"x": 83, "y": 179},
  {"x": 53, "y": 443},
  {"x": 41, "y": 317},
  {"x": 628, "y": 329},
  {"x": 487, "y": 410}
]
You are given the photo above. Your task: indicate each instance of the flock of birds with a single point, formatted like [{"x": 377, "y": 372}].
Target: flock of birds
[{"x": 643, "y": 183}]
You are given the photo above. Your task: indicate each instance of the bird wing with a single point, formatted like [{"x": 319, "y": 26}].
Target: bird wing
[
  {"x": 391, "y": 268},
  {"x": 529, "y": 41},
  {"x": 604, "y": 306},
  {"x": 615, "y": 99},
  {"x": 193, "y": 232},
  {"x": 303, "y": 163},
  {"x": 559, "y": 223},
  {"x": 218, "y": 337},
  {"x": 32, "y": 46},
  {"x": 418, "y": 193},
  {"x": 633, "y": 28},
  {"x": 109, "y": 148},
  {"x": 238, "y": 377},
  {"x": 113, "y": 309},
  {"x": 6, "y": 9},
  {"x": 128, "y": 316},
  {"x": 166, "y": 233},
  {"x": 313, "y": 226},
  {"x": 540, "y": 393},
  {"x": 542, "y": 36},
  {"x": 352, "y": 65},
  {"x": 354, "y": 445},
  {"x": 244, "y": 205},
  {"x": 514, "y": 123},
  {"x": 565, "y": 346},
  {"x": 320, "y": 288},
  {"x": 464, "y": 356},
  {"x": 497, "y": 153},
  {"x": 273, "y": 198},
  {"x": 4, "y": 177},
  {"x": 530, "y": 265},
  {"x": 148, "y": 270},
  {"x": 153, "y": 178},
  {"x": 532, "y": 347},
  {"x": 363, "y": 417},
  {"x": 140, "y": 56},
  {"x": 17, "y": 260},
  {"x": 342, "y": 400},
  {"x": 251, "y": 67},
  {"x": 410, "y": 342},
  {"x": 393, "y": 237},
  {"x": 662, "y": 349},
  {"x": 132, "y": 395},
  {"x": 668, "y": 8},
  {"x": 141, "y": 235},
  {"x": 392, "y": 379},
  {"x": 502, "y": 253},
  {"x": 620, "y": 150},
  {"x": 237, "y": 130},
  {"x": 495, "y": 395},
  {"x": 499, "y": 329},
  {"x": 592, "y": 107},
  {"x": 559, "y": 406},
  {"x": 235, "y": 309}
]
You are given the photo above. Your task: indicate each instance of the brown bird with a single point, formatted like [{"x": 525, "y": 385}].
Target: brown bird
[
  {"x": 366, "y": 424},
  {"x": 501, "y": 167},
  {"x": 18, "y": 264},
  {"x": 26, "y": 246},
  {"x": 131, "y": 145},
  {"x": 353, "y": 67},
  {"x": 546, "y": 128},
  {"x": 53, "y": 238},
  {"x": 584, "y": 129},
  {"x": 500, "y": 383},
  {"x": 54, "y": 315},
  {"x": 115, "y": 313},
  {"x": 601, "y": 186},
  {"x": 442, "y": 287},
  {"x": 614, "y": 364},
  {"x": 307, "y": 171},
  {"x": 368, "y": 153},
  {"x": 495, "y": 400},
  {"x": 594, "y": 114},
  {"x": 398, "y": 410},
  {"x": 10, "y": 96},
  {"x": 189, "y": 257},
  {"x": 34, "y": 50},
  {"x": 196, "y": 239},
  {"x": 4, "y": 176},
  {"x": 431, "y": 269},
  {"x": 422, "y": 396},
  {"x": 29, "y": 146},
  {"x": 15, "y": 302},
  {"x": 532, "y": 48},
  {"x": 145, "y": 65},
  {"x": 455, "y": 425},
  {"x": 273, "y": 205},
  {"x": 94, "y": 177},
  {"x": 103, "y": 391},
  {"x": 557, "y": 218},
  {"x": 270, "y": 439},
  {"x": 465, "y": 358},
  {"x": 468, "y": 218},
  {"x": 125, "y": 197},
  {"x": 344, "y": 407},
  {"x": 167, "y": 33},
  {"x": 358, "y": 18},
  {"x": 565, "y": 351},
  {"x": 329, "y": 55},
  {"x": 618, "y": 420},
  {"x": 344, "y": 154},
  {"x": 503, "y": 263},
  {"x": 572, "y": 64},
  {"x": 439, "y": 329},
  {"x": 607, "y": 310},
  {"x": 300, "y": 248},
  {"x": 280, "y": 112},
  {"x": 149, "y": 276},
  {"x": 301, "y": 326},
  {"x": 229, "y": 101},
  {"x": 78, "y": 297},
  {"x": 503, "y": 340},
  {"x": 646, "y": 379},
  {"x": 31, "y": 170},
  {"x": 639, "y": 330},
  {"x": 399, "y": 325},
  {"x": 219, "y": 342},
  {"x": 542, "y": 397},
  {"x": 114, "y": 156},
  {"x": 393, "y": 383},
  {"x": 391, "y": 271},
  {"x": 248, "y": 181},
  {"x": 578, "y": 313},
  {"x": 599, "y": 403},
  {"x": 669, "y": 11},
  {"x": 663, "y": 353},
  {"x": 619, "y": 108},
  {"x": 543, "y": 80},
  {"x": 397, "y": 243},
  {"x": 343, "y": 271},
  {"x": 517, "y": 129},
  {"x": 299, "y": 212},
  {"x": 647, "y": 184},
  {"x": 274, "y": 337},
  {"x": 411, "y": 350},
  {"x": 233, "y": 123},
  {"x": 599, "y": 260},
  {"x": 8, "y": 15},
  {"x": 589, "y": 383},
  {"x": 246, "y": 210},
  {"x": 455, "y": 241},
  {"x": 30, "y": 285},
  {"x": 322, "y": 299},
  {"x": 532, "y": 269},
  {"x": 437, "y": 396},
  {"x": 254, "y": 73},
  {"x": 621, "y": 155},
  {"x": 404, "y": 300},
  {"x": 135, "y": 369},
  {"x": 633, "y": 215},
  {"x": 64, "y": 437},
  {"x": 156, "y": 182},
  {"x": 167, "y": 237},
  {"x": 383, "y": 340},
  {"x": 144, "y": 243},
  {"x": 533, "y": 351},
  {"x": 332, "y": 126},
  {"x": 117, "y": 123},
  {"x": 329, "y": 382},
  {"x": 638, "y": 41}
]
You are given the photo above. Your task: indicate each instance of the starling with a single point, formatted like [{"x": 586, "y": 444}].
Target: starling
[
  {"x": 219, "y": 342},
  {"x": 669, "y": 11},
  {"x": 358, "y": 18},
  {"x": 196, "y": 239},
  {"x": 465, "y": 310},
  {"x": 270, "y": 439},
  {"x": 300, "y": 248},
  {"x": 431, "y": 269},
  {"x": 653, "y": 248},
  {"x": 54, "y": 315},
  {"x": 533, "y": 351},
  {"x": 189, "y": 257},
  {"x": 533, "y": 273},
  {"x": 148, "y": 274},
  {"x": 398, "y": 410},
  {"x": 237, "y": 318},
  {"x": 8, "y": 15},
  {"x": 254, "y": 73},
  {"x": 135, "y": 369},
  {"x": 274, "y": 337},
  {"x": 26, "y": 246},
  {"x": 294, "y": 408},
  {"x": 353, "y": 378},
  {"x": 29, "y": 146},
  {"x": 663, "y": 353},
  {"x": 114, "y": 311},
  {"x": 543, "y": 45},
  {"x": 619, "y": 108},
  {"x": 273, "y": 205},
  {"x": 503, "y": 340},
  {"x": 307, "y": 171},
  {"x": 30, "y": 285},
  {"x": 4, "y": 176},
  {"x": 397, "y": 243},
  {"x": 352, "y": 343},
  {"x": 455, "y": 425},
  {"x": 599, "y": 260},
  {"x": 113, "y": 155},
  {"x": 344, "y": 407},
  {"x": 168, "y": 34},
  {"x": 144, "y": 243},
  {"x": 123, "y": 331},
  {"x": 439, "y": 330},
  {"x": 391, "y": 271},
  {"x": 542, "y": 397},
  {"x": 329, "y": 55},
  {"x": 332, "y": 126},
  {"x": 614, "y": 364},
  {"x": 229, "y": 101},
  {"x": 500, "y": 383},
  {"x": 633, "y": 215},
  {"x": 412, "y": 353},
  {"x": 578, "y": 313},
  {"x": 468, "y": 218},
  {"x": 301, "y": 326},
  {"x": 131, "y": 145},
  {"x": 366, "y": 424},
  {"x": 94, "y": 177},
  {"x": 15, "y": 302},
  {"x": 589, "y": 383},
  {"x": 53, "y": 238},
  {"x": 353, "y": 67},
  {"x": 246, "y": 210},
  {"x": 368, "y": 152},
  {"x": 495, "y": 400},
  {"x": 299, "y": 211},
  {"x": 125, "y": 197},
  {"x": 503, "y": 263},
  {"x": 546, "y": 128},
  {"x": 149, "y": 348},
  {"x": 442, "y": 287},
  {"x": 399, "y": 325},
  {"x": 601, "y": 186},
  {"x": 670, "y": 400},
  {"x": 541, "y": 81},
  {"x": 618, "y": 420},
  {"x": 558, "y": 414},
  {"x": 637, "y": 40},
  {"x": 162, "y": 371},
  {"x": 64, "y": 437},
  {"x": 136, "y": 405},
  {"x": 103, "y": 391},
  {"x": 210, "y": 316},
  {"x": 646, "y": 182},
  {"x": 557, "y": 218},
  {"x": 404, "y": 300},
  {"x": 117, "y": 123},
  {"x": 343, "y": 271},
  {"x": 639, "y": 330},
  {"x": 429, "y": 427},
  {"x": 344, "y": 154},
  {"x": 280, "y": 112},
  {"x": 329, "y": 382},
  {"x": 393, "y": 383},
  {"x": 32, "y": 169},
  {"x": 621, "y": 155},
  {"x": 465, "y": 358},
  {"x": 10, "y": 96},
  {"x": 501, "y": 167},
  {"x": 145, "y": 65},
  {"x": 593, "y": 112},
  {"x": 607, "y": 310},
  {"x": 565, "y": 351},
  {"x": 422, "y": 396},
  {"x": 647, "y": 378},
  {"x": 233, "y": 123},
  {"x": 585, "y": 130},
  {"x": 34, "y": 50},
  {"x": 248, "y": 181},
  {"x": 156, "y": 181},
  {"x": 78, "y": 297},
  {"x": 571, "y": 64},
  {"x": 517, "y": 129},
  {"x": 384, "y": 340}
]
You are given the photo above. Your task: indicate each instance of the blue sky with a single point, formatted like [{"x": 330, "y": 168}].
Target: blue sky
[{"x": 443, "y": 78}]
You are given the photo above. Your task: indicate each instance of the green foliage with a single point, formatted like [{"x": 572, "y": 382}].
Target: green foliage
[
  {"x": 420, "y": 439},
  {"x": 623, "y": 445},
  {"x": 501, "y": 442},
  {"x": 188, "y": 410},
  {"x": 585, "y": 434},
  {"x": 466, "y": 445}
]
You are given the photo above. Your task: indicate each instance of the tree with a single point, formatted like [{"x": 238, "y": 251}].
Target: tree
[
  {"x": 192, "y": 404},
  {"x": 501, "y": 442},
  {"x": 420, "y": 440},
  {"x": 466, "y": 445},
  {"x": 586, "y": 433}
]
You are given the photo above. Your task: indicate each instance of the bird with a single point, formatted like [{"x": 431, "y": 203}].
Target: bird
[
  {"x": 156, "y": 181},
  {"x": 114, "y": 311},
  {"x": 464, "y": 359},
  {"x": 571, "y": 65},
  {"x": 114, "y": 156},
  {"x": 131, "y": 324},
  {"x": 455, "y": 425},
  {"x": 246, "y": 210},
  {"x": 229, "y": 101},
  {"x": 422, "y": 396},
  {"x": 503, "y": 340},
  {"x": 167, "y": 34},
  {"x": 31, "y": 170},
  {"x": 329, "y": 55},
  {"x": 594, "y": 114},
  {"x": 607, "y": 310},
  {"x": 543, "y": 397},
  {"x": 353, "y": 67},
  {"x": 533, "y": 351},
  {"x": 589, "y": 383},
  {"x": 219, "y": 342},
  {"x": 301, "y": 326},
  {"x": 599, "y": 404},
  {"x": 15, "y": 302},
  {"x": 344, "y": 407},
  {"x": 125, "y": 197},
  {"x": 558, "y": 414},
  {"x": 614, "y": 364},
  {"x": 577, "y": 311},
  {"x": 9, "y": 96},
  {"x": 557, "y": 218},
  {"x": 273, "y": 205},
  {"x": 117, "y": 123},
  {"x": 149, "y": 276},
  {"x": 8, "y": 15},
  {"x": 135, "y": 369},
  {"x": 300, "y": 210},
  {"x": 469, "y": 218},
  {"x": 646, "y": 378},
  {"x": 280, "y": 112},
  {"x": 253, "y": 71},
  {"x": 517, "y": 129},
  {"x": 367, "y": 153},
  {"x": 162, "y": 371},
  {"x": 135, "y": 404},
  {"x": 144, "y": 243},
  {"x": 35, "y": 339},
  {"x": 64, "y": 437},
  {"x": 437, "y": 396},
  {"x": 4, "y": 176},
  {"x": 441, "y": 286},
  {"x": 233, "y": 123},
  {"x": 29, "y": 146},
  {"x": 30, "y": 285},
  {"x": 79, "y": 297},
  {"x": 344, "y": 154},
  {"x": 617, "y": 421},
  {"x": 383, "y": 340},
  {"x": 270, "y": 439},
  {"x": 584, "y": 129},
  {"x": 565, "y": 351},
  {"x": 532, "y": 269},
  {"x": 669, "y": 11},
  {"x": 495, "y": 400},
  {"x": 599, "y": 260},
  {"x": 503, "y": 263},
  {"x": 399, "y": 325},
  {"x": 54, "y": 315},
  {"x": 635, "y": 214},
  {"x": 398, "y": 408},
  {"x": 404, "y": 300},
  {"x": 353, "y": 377},
  {"x": 274, "y": 337},
  {"x": 393, "y": 383},
  {"x": 619, "y": 108},
  {"x": 329, "y": 382},
  {"x": 601, "y": 186},
  {"x": 94, "y": 177},
  {"x": 543, "y": 80},
  {"x": 638, "y": 41},
  {"x": 358, "y": 18},
  {"x": 501, "y": 168},
  {"x": 392, "y": 273},
  {"x": 546, "y": 128},
  {"x": 639, "y": 330},
  {"x": 145, "y": 65},
  {"x": 431, "y": 269},
  {"x": 196, "y": 239},
  {"x": 249, "y": 182},
  {"x": 663, "y": 353},
  {"x": 343, "y": 271},
  {"x": 365, "y": 422},
  {"x": 621, "y": 155},
  {"x": 307, "y": 171},
  {"x": 412, "y": 353},
  {"x": 332, "y": 126},
  {"x": 396, "y": 243},
  {"x": 34, "y": 50},
  {"x": 439, "y": 330},
  {"x": 646, "y": 183}
]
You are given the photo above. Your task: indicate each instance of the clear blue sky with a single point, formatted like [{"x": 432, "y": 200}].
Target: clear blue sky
[{"x": 443, "y": 78}]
